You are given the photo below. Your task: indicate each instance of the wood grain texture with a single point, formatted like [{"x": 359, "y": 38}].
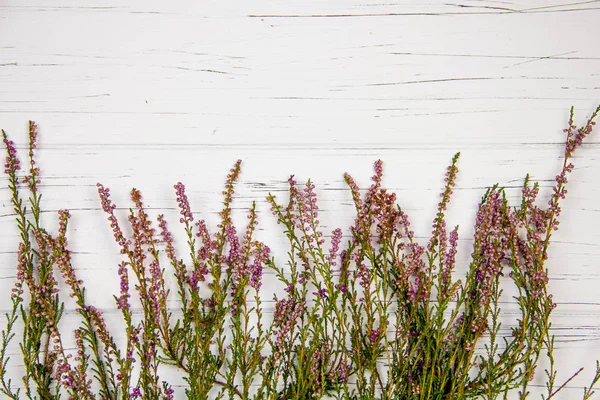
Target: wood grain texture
[{"x": 145, "y": 94}]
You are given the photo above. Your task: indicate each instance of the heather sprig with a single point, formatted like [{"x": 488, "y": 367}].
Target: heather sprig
[
  {"x": 35, "y": 298},
  {"x": 41, "y": 312},
  {"x": 308, "y": 331},
  {"x": 227, "y": 268}
]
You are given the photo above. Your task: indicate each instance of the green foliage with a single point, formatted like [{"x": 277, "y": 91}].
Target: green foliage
[{"x": 371, "y": 314}]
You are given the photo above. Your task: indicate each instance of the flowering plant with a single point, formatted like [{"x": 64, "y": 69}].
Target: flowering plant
[{"x": 373, "y": 314}]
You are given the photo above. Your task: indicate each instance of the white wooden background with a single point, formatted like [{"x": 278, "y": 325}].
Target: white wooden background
[{"x": 147, "y": 94}]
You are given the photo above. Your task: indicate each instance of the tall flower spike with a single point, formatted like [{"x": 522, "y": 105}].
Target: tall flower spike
[
  {"x": 167, "y": 238},
  {"x": 32, "y": 180},
  {"x": 233, "y": 175},
  {"x": 12, "y": 163},
  {"x": 336, "y": 238},
  {"x": 378, "y": 168},
  {"x": 362, "y": 222},
  {"x": 438, "y": 236},
  {"x": 184, "y": 205},
  {"x": 156, "y": 291},
  {"x": 261, "y": 257},
  {"x": 449, "y": 261},
  {"x": 204, "y": 254},
  {"x": 63, "y": 255},
  {"x": 208, "y": 245},
  {"x": 109, "y": 208},
  {"x": 123, "y": 299}
]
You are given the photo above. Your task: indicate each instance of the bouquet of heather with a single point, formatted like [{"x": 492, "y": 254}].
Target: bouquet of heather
[{"x": 376, "y": 315}]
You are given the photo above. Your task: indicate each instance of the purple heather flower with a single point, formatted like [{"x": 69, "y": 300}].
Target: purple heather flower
[
  {"x": 234, "y": 256},
  {"x": 156, "y": 290},
  {"x": 374, "y": 336},
  {"x": 490, "y": 225},
  {"x": 167, "y": 238},
  {"x": 100, "y": 324},
  {"x": 450, "y": 257},
  {"x": 208, "y": 245},
  {"x": 136, "y": 392},
  {"x": 336, "y": 238},
  {"x": 354, "y": 190},
  {"x": 184, "y": 205},
  {"x": 145, "y": 225},
  {"x": 225, "y": 214},
  {"x": 342, "y": 288},
  {"x": 17, "y": 291},
  {"x": 387, "y": 215},
  {"x": 364, "y": 274},
  {"x": 123, "y": 303},
  {"x": 287, "y": 311},
  {"x": 109, "y": 208},
  {"x": 63, "y": 256},
  {"x": 33, "y": 134},
  {"x": 12, "y": 162},
  {"x": 168, "y": 391},
  {"x": 256, "y": 269},
  {"x": 32, "y": 179},
  {"x": 343, "y": 371},
  {"x": 364, "y": 209}
]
